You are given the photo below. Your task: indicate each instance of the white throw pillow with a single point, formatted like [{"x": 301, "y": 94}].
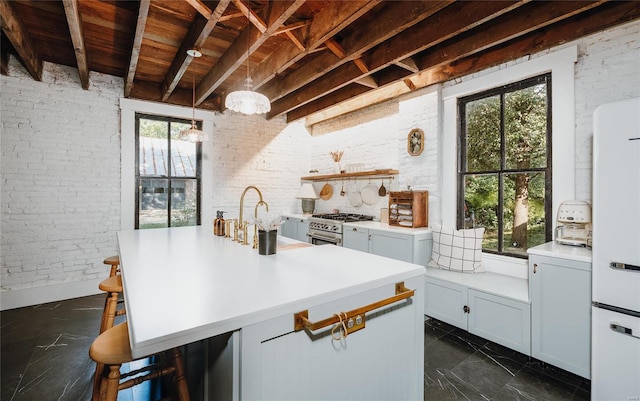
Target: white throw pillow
[{"x": 459, "y": 250}]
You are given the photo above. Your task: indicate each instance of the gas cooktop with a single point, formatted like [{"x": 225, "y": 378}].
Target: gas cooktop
[{"x": 344, "y": 217}]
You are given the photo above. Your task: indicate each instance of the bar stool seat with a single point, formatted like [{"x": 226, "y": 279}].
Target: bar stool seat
[
  {"x": 114, "y": 261},
  {"x": 111, "y": 349},
  {"x": 113, "y": 287}
]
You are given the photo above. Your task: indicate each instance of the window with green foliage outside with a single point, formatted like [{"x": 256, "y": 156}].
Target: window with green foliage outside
[
  {"x": 167, "y": 174},
  {"x": 505, "y": 165}
]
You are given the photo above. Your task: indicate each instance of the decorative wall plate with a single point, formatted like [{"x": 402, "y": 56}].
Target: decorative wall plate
[{"x": 415, "y": 142}]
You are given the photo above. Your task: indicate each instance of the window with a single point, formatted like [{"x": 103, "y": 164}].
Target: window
[
  {"x": 167, "y": 174},
  {"x": 504, "y": 174}
]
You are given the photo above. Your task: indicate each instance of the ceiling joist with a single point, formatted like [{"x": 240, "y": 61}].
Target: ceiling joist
[
  {"x": 310, "y": 58},
  {"x": 384, "y": 26},
  {"x": 143, "y": 12},
  {"x": 333, "y": 18},
  {"x": 77, "y": 37},
  {"x": 198, "y": 33},
  {"x": 589, "y": 22},
  {"x": 237, "y": 53},
  {"x": 20, "y": 39}
]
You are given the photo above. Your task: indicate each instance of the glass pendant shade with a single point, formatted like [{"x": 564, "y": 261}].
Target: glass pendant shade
[
  {"x": 248, "y": 101},
  {"x": 193, "y": 134}
]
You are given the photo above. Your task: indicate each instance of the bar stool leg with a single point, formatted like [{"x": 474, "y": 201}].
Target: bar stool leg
[
  {"x": 180, "y": 379},
  {"x": 113, "y": 381},
  {"x": 109, "y": 314}
]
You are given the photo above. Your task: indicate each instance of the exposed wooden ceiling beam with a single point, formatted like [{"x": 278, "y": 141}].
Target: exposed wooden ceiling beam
[
  {"x": 317, "y": 89},
  {"x": 592, "y": 21},
  {"x": 4, "y": 61},
  {"x": 457, "y": 18},
  {"x": 143, "y": 13},
  {"x": 292, "y": 27},
  {"x": 200, "y": 7},
  {"x": 295, "y": 40},
  {"x": 251, "y": 15},
  {"x": 334, "y": 17},
  {"x": 236, "y": 54},
  {"x": 530, "y": 17},
  {"x": 14, "y": 29},
  {"x": 395, "y": 18},
  {"x": 198, "y": 33},
  {"x": 77, "y": 38},
  {"x": 335, "y": 48},
  {"x": 288, "y": 30}
]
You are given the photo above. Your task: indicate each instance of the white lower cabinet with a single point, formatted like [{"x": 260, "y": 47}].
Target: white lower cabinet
[
  {"x": 295, "y": 228},
  {"x": 499, "y": 319},
  {"x": 413, "y": 248},
  {"x": 561, "y": 312}
]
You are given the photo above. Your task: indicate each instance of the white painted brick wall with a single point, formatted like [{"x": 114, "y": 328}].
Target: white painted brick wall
[
  {"x": 271, "y": 155},
  {"x": 377, "y": 137},
  {"x": 608, "y": 70},
  {"x": 60, "y": 176}
]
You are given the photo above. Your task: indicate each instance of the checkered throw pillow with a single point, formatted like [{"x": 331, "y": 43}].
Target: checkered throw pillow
[{"x": 459, "y": 250}]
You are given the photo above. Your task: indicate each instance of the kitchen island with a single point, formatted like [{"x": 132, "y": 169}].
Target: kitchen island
[{"x": 184, "y": 285}]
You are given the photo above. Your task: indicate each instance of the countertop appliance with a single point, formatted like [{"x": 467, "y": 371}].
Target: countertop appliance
[
  {"x": 573, "y": 223},
  {"x": 615, "y": 311},
  {"x": 326, "y": 228}
]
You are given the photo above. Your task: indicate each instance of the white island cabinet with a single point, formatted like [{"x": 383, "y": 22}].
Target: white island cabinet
[
  {"x": 560, "y": 280},
  {"x": 407, "y": 244},
  {"x": 268, "y": 320}
]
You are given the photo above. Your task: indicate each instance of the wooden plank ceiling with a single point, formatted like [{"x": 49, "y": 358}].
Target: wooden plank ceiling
[{"x": 306, "y": 56}]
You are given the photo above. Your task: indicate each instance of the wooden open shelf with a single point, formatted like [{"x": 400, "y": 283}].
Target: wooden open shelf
[{"x": 359, "y": 174}]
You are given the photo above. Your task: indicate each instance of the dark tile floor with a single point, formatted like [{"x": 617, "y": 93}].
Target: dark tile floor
[
  {"x": 44, "y": 356},
  {"x": 462, "y": 366}
]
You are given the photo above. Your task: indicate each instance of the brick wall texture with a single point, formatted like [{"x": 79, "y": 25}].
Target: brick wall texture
[{"x": 60, "y": 157}]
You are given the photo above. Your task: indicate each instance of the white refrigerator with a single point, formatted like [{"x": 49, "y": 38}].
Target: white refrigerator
[{"x": 615, "y": 312}]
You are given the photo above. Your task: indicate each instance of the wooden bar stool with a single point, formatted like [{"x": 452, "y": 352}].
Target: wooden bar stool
[
  {"x": 113, "y": 287},
  {"x": 114, "y": 261},
  {"x": 111, "y": 349}
]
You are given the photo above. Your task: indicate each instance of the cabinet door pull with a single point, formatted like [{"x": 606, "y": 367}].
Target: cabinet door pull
[
  {"x": 622, "y": 330},
  {"x": 624, "y": 266},
  {"x": 535, "y": 267},
  {"x": 466, "y": 309},
  {"x": 354, "y": 229}
]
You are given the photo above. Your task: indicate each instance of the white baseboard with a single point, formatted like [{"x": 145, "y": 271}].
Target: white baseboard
[{"x": 50, "y": 293}]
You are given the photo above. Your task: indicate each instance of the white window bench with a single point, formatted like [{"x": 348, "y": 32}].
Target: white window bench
[{"x": 491, "y": 305}]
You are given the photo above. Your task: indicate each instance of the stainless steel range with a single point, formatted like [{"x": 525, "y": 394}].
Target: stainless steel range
[{"x": 326, "y": 228}]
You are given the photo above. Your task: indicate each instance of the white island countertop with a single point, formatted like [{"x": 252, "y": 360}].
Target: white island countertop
[{"x": 184, "y": 284}]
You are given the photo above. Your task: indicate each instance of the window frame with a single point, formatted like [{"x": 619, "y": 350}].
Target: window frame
[
  {"x": 561, "y": 62},
  {"x": 170, "y": 177},
  {"x": 502, "y": 171}
]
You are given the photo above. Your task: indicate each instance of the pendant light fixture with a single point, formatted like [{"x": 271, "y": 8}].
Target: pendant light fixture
[
  {"x": 193, "y": 134},
  {"x": 248, "y": 101}
]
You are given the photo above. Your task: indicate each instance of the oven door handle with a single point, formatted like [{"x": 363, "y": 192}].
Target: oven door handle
[{"x": 328, "y": 239}]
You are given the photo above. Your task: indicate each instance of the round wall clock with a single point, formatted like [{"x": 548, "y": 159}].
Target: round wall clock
[{"x": 415, "y": 142}]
